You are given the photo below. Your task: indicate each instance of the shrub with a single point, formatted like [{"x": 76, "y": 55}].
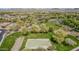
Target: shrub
[{"x": 70, "y": 42}]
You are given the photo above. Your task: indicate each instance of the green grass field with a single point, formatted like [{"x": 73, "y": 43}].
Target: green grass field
[
  {"x": 65, "y": 47},
  {"x": 59, "y": 47},
  {"x": 38, "y": 35},
  {"x": 9, "y": 41}
]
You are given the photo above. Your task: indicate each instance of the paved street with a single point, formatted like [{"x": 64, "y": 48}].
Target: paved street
[{"x": 2, "y": 32}]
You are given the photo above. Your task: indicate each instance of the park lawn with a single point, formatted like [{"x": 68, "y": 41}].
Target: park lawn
[
  {"x": 38, "y": 35},
  {"x": 75, "y": 39},
  {"x": 62, "y": 47},
  {"x": 65, "y": 47},
  {"x": 9, "y": 41},
  {"x": 59, "y": 47},
  {"x": 35, "y": 36}
]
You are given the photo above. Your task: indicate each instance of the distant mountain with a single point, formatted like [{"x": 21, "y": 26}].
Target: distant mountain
[{"x": 41, "y": 9}]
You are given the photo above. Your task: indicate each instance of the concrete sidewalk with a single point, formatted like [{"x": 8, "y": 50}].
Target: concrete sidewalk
[
  {"x": 75, "y": 49},
  {"x": 17, "y": 44}
]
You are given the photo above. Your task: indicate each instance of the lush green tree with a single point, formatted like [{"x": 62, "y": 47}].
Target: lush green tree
[
  {"x": 24, "y": 30},
  {"x": 44, "y": 28},
  {"x": 35, "y": 28},
  {"x": 59, "y": 35}
]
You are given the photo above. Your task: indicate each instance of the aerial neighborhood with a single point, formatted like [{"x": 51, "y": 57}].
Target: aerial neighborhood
[{"x": 39, "y": 29}]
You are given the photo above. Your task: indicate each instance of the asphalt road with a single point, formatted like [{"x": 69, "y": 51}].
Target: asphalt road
[
  {"x": 2, "y": 32},
  {"x": 77, "y": 50}
]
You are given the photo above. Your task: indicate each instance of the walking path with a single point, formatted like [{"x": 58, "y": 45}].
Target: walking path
[
  {"x": 17, "y": 44},
  {"x": 75, "y": 49}
]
